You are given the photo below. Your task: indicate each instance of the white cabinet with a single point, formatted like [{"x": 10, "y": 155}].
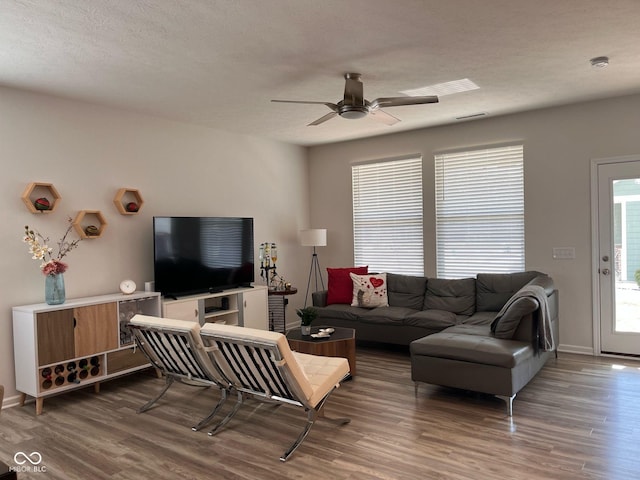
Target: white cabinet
[
  {"x": 239, "y": 306},
  {"x": 83, "y": 341},
  {"x": 188, "y": 309},
  {"x": 255, "y": 311}
]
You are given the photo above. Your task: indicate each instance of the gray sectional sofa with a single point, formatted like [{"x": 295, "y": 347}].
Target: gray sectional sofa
[{"x": 489, "y": 334}]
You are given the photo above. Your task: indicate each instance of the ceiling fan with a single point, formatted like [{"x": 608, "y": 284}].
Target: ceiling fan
[{"x": 354, "y": 105}]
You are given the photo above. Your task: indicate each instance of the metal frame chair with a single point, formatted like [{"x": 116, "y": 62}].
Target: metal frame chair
[
  {"x": 176, "y": 349},
  {"x": 260, "y": 364}
]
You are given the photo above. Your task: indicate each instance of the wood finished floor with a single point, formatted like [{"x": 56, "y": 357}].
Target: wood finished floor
[{"x": 579, "y": 418}]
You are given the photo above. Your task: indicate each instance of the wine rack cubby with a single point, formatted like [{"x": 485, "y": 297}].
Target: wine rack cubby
[{"x": 71, "y": 373}]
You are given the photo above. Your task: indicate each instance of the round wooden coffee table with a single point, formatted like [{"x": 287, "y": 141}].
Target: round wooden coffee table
[{"x": 341, "y": 343}]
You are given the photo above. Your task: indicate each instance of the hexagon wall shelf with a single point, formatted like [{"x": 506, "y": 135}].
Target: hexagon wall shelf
[
  {"x": 125, "y": 200},
  {"x": 38, "y": 190},
  {"x": 85, "y": 219}
]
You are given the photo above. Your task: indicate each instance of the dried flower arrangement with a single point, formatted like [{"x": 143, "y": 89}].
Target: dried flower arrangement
[{"x": 40, "y": 250}]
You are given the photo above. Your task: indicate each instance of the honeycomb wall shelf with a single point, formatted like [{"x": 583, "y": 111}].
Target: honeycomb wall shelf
[
  {"x": 89, "y": 218},
  {"x": 128, "y": 201},
  {"x": 37, "y": 190}
]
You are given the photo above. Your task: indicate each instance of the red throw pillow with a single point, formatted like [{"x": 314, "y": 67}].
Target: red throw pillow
[{"x": 340, "y": 286}]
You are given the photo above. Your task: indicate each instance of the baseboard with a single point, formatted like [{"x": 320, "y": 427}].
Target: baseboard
[
  {"x": 563, "y": 348},
  {"x": 11, "y": 401}
]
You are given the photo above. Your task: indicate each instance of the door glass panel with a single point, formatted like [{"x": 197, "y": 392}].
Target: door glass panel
[{"x": 626, "y": 236}]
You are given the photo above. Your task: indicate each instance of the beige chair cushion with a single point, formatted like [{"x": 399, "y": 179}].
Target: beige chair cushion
[
  {"x": 322, "y": 372},
  {"x": 309, "y": 377},
  {"x": 160, "y": 322}
]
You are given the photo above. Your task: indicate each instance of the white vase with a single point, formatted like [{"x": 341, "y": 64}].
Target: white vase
[{"x": 305, "y": 329}]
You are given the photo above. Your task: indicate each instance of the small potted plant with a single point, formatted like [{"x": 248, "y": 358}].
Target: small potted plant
[{"x": 307, "y": 315}]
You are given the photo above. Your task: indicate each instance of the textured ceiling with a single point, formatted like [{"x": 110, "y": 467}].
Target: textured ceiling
[{"x": 220, "y": 62}]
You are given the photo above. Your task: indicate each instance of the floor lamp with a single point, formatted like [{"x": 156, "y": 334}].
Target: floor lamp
[{"x": 316, "y": 237}]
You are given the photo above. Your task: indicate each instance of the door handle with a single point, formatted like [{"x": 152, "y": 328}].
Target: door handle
[{"x": 606, "y": 271}]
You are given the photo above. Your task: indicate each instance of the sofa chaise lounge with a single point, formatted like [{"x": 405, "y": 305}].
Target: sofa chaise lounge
[{"x": 489, "y": 334}]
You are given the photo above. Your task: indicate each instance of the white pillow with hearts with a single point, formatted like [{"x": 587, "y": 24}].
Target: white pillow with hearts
[{"x": 369, "y": 291}]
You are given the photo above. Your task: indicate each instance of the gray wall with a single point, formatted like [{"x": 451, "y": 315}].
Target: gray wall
[
  {"x": 559, "y": 144},
  {"x": 89, "y": 152}
]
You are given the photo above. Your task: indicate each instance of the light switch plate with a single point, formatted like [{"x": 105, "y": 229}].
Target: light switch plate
[{"x": 564, "y": 253}]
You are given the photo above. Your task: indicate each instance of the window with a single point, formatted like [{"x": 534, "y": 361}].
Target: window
[
  {"x": 387, "y": 216},
  {"x": 479, "y": 211}
]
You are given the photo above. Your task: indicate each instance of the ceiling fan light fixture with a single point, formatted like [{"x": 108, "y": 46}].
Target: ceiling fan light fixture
[
  {"x": 599, "y": 62},
  {"x": 353, "y": 113}
]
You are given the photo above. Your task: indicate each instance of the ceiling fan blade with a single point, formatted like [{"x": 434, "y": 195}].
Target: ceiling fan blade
[
  {"x": 400, "y": 101},
  {"x": 332, "y": 106},
  {"x": 353, "y": 90},
  {"x": 384, "y": 117},
  {"x": 328, "y": 116}
]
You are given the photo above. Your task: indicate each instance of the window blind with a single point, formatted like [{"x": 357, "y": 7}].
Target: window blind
[
  {"x": 387, "y": 216},
  {"x": 479, "y": 212}
]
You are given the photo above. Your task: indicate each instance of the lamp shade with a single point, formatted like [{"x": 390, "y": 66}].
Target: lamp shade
[{"x": 315, "y": 237}]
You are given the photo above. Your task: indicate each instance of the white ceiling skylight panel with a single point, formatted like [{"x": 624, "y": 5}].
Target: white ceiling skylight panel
[{"x": 442, "y": 89}]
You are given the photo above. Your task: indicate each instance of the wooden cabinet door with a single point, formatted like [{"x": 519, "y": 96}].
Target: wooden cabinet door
[
  {"x": 96, "y": 329},
  {"x": 125, "y": 359},
  {"x": 55, "y": 334}
]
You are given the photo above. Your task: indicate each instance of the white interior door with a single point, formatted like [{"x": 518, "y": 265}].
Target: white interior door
[{"x": 618, "y": 251}]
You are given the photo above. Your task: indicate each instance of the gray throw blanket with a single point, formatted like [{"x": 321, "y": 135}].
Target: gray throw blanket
[{"x": 545, "y": 331}]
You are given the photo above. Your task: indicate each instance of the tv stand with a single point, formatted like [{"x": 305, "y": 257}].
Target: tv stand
[{"x": 245, "y": 307}]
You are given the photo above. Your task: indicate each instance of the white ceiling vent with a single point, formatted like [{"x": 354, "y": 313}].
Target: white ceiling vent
[
  {"x": 441, "y": 89},
  {"x": 473, "y": 115}
]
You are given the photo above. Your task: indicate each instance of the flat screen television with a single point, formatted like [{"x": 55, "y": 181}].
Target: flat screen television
[{"x": 202, "y": 254}]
